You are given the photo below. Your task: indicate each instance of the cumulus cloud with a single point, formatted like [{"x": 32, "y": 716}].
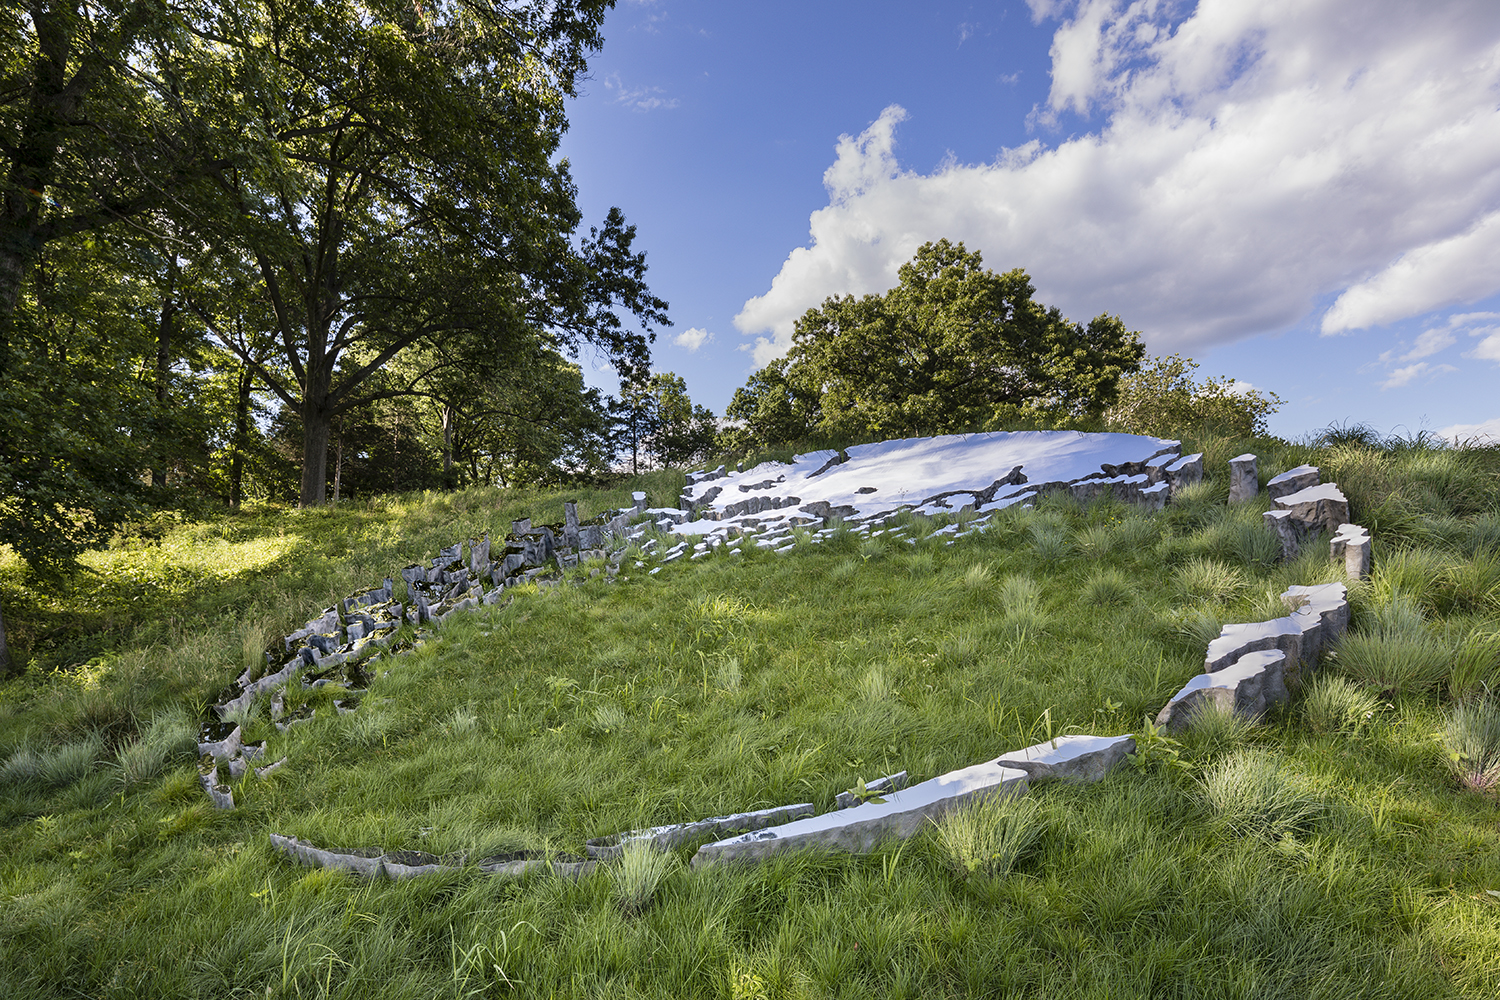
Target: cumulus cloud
[
  {"x": 1406, "y": 376},
  {"x": 1249, "y": 160},
  {"x": 1481, "y": 433},
  {"x": 692, "y": 338}
]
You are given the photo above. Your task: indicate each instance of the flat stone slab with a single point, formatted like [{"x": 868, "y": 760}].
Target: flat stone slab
[
  {"x": 864, "y": 826},
  {"x": 1247, "y": 687},
  {"x": 1321, "y": 611},
  {"x": 1292, "y": 481},
  {"x": 954, "y": 470},
  {"x": 1071, "y": 758},
  {"x": 1317, "y": 507},
  {"x": 1236, "y": 640},
  {"x": 666, "y": 837}
]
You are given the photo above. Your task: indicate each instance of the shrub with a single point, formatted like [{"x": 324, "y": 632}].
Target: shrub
[
  {"x": 1250, "y": 795},
  {"x": 1472, "y": 735},
  {"x": 987, "y": 835},
  {"x": 1333, "y": 704}
]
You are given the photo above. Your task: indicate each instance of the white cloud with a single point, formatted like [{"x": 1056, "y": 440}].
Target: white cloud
[
  {"x": 1486, "y": 432},
  {"x": 638, "y": 98},
  {"x": 1253, "y": 158},
  {"x": 692, "y": 338},
  {"x": 1429, "y": 342},
  {"x": 1405, "y": 376}
]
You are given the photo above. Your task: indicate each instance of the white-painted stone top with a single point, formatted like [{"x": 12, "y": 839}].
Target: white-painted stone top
[
  {"x": 967, "y": 780},
  {"x": 1347, "y": 530},
  {"x": 1327, "y": 491},
  {"x": 1246, "y": 666},
  {"x": 1185, "y": 461},
  {"x": 1232, "y": 637},
  {"x": 1247, "y": 457},
  {"x": 910, "y": 470},
  {"x": 1291, "y": 474},
  {"x": 1064, "y": 749}
]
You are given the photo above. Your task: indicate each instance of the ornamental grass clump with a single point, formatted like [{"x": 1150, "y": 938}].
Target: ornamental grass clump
[
  {"x": 983, "y": 838},
  {"x": 1105, "y": 587},
  {"x": 1472, "y": 736},
  {"x": 638, "y": 875},
  {"x": 1396, "y": 653},
  {"x": 1335, "y": 705},
  {"x": 1249, "y": 794},
  {"x": 1209, "y": 579}
]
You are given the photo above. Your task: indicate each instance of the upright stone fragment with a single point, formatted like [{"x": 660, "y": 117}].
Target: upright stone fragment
[
  {"x": 1243, "y": 482},
  {"x": 1292, "y": 480},
  {"x": 1280, "y": 524},
  {"x": 1186, "y": 471},
  {"x": 570, "y": 526},
  {"x": 1247, "y": 687},
  {"x": 1317, "y": 508},
  {"x": 1350, "y": 546}
]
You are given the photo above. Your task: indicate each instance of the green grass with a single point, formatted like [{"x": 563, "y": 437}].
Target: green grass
[{"x": 1333, "y": 852}]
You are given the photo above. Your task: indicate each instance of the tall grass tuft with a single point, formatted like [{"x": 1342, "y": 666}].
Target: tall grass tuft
[
  {"x": 1105, "y": 587},
  {"x": 1050, "y": 542},
  {"x": 1250, "y": 794},
  {"x": 983, "y": 838},
  {"x": 977, "y": 575},
  {"x": 1472, "y": 735},
  {"x": 1333, "y": 705},
  {"x": 1096, "y": 541},
  {"x": 638, "y": 875},
  {"x": 1214, "y": 729},
  {"x": 1209, "y": 579},
  {"x": 1396, "y": 653},
  {"x": 1021, "y": 605},
  {"x": 170, "y": 735}
]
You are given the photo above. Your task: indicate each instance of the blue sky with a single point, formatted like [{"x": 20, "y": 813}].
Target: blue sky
[{"x": 1300, "y": 194}]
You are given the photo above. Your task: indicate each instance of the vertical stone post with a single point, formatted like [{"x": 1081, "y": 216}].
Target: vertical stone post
[
  {"x": 570, "y": 526},
  {"x": 1243, "y": 482},
  {"x": 1280, "y": 523},
  {"x": 639, "y": 497}
]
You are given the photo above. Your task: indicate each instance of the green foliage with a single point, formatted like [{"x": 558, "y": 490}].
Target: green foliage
[
  {"x": 1163, "y": 399},
  {"x": 1155, "y": 750},
  {"x": 638, "y": 875},
  {"x": 1472, "y": 736},
  {"x": 1251, "y": 794},
  {"x": 1335, "y": 705},
  {"x": 984, "y": 837},
  {"x": 952, "y": 346}
]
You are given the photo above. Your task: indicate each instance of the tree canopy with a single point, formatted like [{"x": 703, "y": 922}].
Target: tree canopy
[{"x": 953, "y": 346}]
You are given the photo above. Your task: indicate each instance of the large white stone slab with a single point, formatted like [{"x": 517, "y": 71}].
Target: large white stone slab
[
  {"x": 1292, "y": 480},
  {"x": 956, "y": 469}
]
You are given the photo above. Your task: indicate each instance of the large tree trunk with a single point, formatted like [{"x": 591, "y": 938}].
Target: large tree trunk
[
  {"x": 6, "y": 667},
  {"x": 241, "y": 432},
  {"x": 315, "y": 432},
  {"x": 338, "y": 464},
  {"x": 163, "y": 374},
  {"x": 450, "y": 481}
]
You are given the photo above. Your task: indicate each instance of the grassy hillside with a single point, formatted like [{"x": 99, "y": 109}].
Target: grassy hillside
[{"x": 1331, "y": 852}]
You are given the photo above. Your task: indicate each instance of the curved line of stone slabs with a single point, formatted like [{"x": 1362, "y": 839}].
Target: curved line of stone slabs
[{"x": 1250, "y": 682}]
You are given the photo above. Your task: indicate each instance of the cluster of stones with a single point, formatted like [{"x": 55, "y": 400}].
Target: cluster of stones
[
  {"x": 1246, "y": 672},
  {"x": 341, "y": 645}
]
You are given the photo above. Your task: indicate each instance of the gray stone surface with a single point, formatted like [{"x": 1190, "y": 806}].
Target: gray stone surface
[
  {"x": 1186, "y": 471},
  {"x": 1244, "y": 483},
  {"x": 1350, "y": 546},
  {"x": 1292, "y": 481},
  {"x": 665, "y": 837},
  {"x": 1279, "y": 522},
  {"x": 1070, "y": 758},
  {"x": 1236, "y": 640},
  {"x": 1247, "y": 687},
  {"x": 1316, "y": 508},
  {"x": 864, "y": 826}
]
